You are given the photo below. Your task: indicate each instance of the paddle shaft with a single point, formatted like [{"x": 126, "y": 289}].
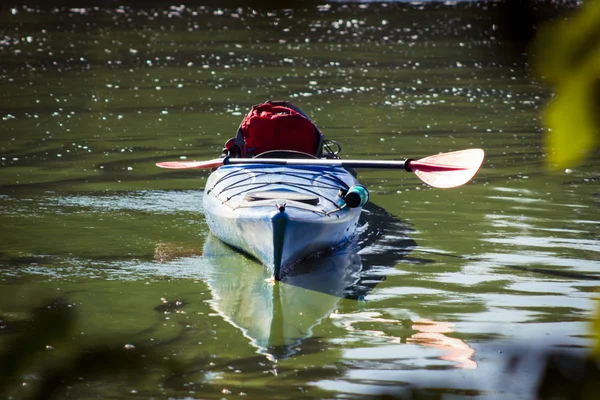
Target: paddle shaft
[
  {"x": 406, "y": 165},
  {"x": 324, "y": 162}
]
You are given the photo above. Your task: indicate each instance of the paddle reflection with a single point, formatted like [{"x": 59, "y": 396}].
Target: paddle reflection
[{"x": 432, "y": 334}]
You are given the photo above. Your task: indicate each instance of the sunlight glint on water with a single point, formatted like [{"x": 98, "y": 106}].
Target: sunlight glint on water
[{"x": 443, "y": 286}]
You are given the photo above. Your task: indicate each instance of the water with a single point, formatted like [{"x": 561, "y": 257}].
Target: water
[{"x": 442, "y": 286}]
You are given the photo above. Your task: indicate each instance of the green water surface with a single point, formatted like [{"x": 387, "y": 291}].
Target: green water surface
[{"x": 453, "y": 282}]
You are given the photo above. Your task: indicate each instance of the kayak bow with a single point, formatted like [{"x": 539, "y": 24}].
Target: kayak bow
[{"x": 282, "y": 214}]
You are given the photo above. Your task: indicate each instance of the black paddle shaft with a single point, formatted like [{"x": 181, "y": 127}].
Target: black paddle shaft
[{"x": 405, "y": 164}]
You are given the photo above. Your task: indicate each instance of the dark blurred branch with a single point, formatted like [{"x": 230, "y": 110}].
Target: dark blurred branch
[{"x": 517, "y": 21}]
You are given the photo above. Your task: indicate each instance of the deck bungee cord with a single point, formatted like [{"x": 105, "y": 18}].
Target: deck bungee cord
[
  {"x": 294, "y": 185},
  {"x": 298, "y": 173},
  {"x": 262, "y": 173},
  {"x": 310, "y": 176}
]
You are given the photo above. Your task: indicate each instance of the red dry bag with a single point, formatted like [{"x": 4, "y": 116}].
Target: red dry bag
[{"x": 276, "y": 126}]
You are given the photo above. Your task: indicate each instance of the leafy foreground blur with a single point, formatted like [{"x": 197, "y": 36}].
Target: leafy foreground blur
[
  {"x": 32, "y": 368},
  {"x": 41, "y": 360},
  {"x": 567, "y": 55}
]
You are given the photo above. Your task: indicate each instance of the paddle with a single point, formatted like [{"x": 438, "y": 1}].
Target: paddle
[{"x": 445, "y": 170}]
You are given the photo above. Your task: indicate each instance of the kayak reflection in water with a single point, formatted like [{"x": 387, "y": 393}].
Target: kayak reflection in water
[{"x": 276, "y": 316}]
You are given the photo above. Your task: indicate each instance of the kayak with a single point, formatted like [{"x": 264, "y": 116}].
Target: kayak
[
  {"x": 281, "y": 193},
  {"x": 281, "y": 215},
  {"x": 282, "y": 207}
]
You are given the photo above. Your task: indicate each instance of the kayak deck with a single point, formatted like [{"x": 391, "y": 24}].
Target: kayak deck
[{"x": 278, "y": 214}]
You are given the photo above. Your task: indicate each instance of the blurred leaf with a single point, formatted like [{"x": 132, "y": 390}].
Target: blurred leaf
[
  {"x": 567, "y": 54},
  {"x": 572, "y": 120},
  {"x": 568, "y": 376},
  {"x": 596, "y": 330}
]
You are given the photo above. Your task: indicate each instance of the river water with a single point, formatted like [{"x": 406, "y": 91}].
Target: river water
[{"x": 460, "y": 291}]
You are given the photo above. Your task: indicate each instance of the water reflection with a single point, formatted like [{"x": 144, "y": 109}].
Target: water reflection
[
  {"x": 277, "y": 316},
  {"x": 433, "y": 334}
]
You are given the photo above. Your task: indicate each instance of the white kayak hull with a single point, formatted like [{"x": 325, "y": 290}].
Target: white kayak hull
[{"x": 280, "y": 215}]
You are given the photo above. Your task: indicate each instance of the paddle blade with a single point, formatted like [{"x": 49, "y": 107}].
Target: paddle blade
[
  {"x": 448, "y": 170},
  {"x": 217, "y": 162}
]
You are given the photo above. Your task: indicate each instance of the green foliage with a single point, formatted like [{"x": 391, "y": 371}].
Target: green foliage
[
  {"x": 596, "y": 330},
  {"x": 567, "y": 55}
]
